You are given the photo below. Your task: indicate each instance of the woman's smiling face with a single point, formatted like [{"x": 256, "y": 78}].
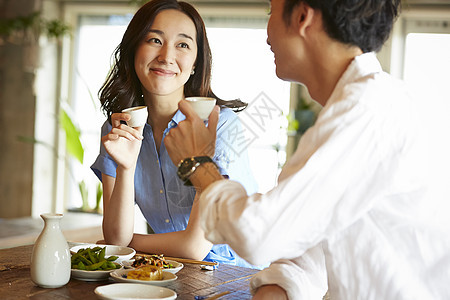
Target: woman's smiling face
[{"x": 165, "y": 58}]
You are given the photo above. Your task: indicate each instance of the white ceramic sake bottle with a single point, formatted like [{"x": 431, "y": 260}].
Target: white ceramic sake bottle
[{"x": 50, "y": 259}]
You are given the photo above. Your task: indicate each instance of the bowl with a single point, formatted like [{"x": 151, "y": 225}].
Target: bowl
[
  {"x": 123, "y": 253},
  {"x": 139, "y": 115},
  {"x": 203, "y": 106},
  {"x": 97, "y": 275}
]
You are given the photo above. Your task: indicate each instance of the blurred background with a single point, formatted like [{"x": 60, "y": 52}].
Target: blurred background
[{"x": 55, "y": 54}]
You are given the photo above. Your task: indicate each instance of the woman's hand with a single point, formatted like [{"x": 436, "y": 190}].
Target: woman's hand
[
  {"x": 191, "y": 137},
  {"x": 123, "y": 143}
]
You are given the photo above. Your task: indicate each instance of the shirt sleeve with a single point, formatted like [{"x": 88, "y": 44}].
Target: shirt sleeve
[
  {"x": 233, "y": 162},
  {"x": 104, "y": 164},
  {"x": 303, "y": 278}
]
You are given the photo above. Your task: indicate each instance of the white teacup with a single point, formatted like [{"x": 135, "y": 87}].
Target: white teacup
[
  {"x": 138, "y": 115},
  {"x": 203, "y": 106}
]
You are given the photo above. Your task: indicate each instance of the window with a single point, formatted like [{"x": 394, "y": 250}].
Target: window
[
  {"x": 95, "y": 41},
  {"x": 422, "y": 49},
  {"x": 243, "y": 68},
  {"x": 427, "y": 54}
]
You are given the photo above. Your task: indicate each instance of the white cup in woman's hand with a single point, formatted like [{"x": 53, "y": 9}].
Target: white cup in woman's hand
[
  {"x": 138, "y": 115},
  {"x": 203, "y": 106}
]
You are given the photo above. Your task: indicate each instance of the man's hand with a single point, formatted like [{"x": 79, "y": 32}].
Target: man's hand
[
  {"x": 191, "y": 137},
  {"x": 270, "y": 292}
]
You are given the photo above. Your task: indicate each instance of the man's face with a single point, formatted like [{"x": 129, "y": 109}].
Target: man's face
[{"x": 280, "y": 38}]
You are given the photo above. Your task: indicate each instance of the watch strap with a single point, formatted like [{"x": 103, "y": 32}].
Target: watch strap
[{"x": 192, "y": 163}]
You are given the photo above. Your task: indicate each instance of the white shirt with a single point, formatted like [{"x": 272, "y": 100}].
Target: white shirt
[{"x": 368, "y": 185}]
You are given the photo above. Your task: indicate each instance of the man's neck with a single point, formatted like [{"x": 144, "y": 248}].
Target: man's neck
[{"x": 330, "y": 64}]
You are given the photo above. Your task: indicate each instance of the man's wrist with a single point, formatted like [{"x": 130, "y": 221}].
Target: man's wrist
[
  {"x": 188, "y": 166},
  {"x": 204, "y": 175}
]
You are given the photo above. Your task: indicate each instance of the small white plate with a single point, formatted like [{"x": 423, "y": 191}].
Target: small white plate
[
  {"x": 123, "y": 253},
  {"x": 97, "y": 275},
  {"x": 128, "y": 291},
  {"x": 121, "y": 276},
  {"x": 177, "y": 266}
]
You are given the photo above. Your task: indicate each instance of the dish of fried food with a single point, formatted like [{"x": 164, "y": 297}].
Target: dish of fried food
[
  {"x": 122, "y": 276},
  {"x": 156, "y": 260},
  {"x": 148, "y": 272},
  {"x": 174, "y": 266}
]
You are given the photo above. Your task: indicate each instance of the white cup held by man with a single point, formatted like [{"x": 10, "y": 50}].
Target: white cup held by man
[
  {"x": 139, "y": 115},
  {"x": 203, "y": 106}
]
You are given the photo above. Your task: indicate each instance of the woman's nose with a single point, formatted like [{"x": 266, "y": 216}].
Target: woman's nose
[{"x": 166, "y": 55}]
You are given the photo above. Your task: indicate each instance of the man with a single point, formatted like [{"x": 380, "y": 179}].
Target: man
[{"x": 368, "y": 184}]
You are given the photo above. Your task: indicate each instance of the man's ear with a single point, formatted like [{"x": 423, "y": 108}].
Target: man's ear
[{"x": 303, "y": 18}]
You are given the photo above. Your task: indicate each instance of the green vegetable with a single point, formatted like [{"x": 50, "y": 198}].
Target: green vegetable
[
  {"x": 96, "y": 266},
  {"x": 81, "y": 266},
  {"x": 92, "y": 259},
  {"x": 101, "y": 256}
]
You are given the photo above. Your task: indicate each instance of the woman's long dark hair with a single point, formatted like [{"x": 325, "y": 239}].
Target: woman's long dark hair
[{"x": 122, "y": 87}]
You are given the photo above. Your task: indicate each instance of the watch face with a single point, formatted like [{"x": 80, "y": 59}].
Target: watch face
[
  {"x": 186, "y": 166},
  {"x": 185, "y": 169}
]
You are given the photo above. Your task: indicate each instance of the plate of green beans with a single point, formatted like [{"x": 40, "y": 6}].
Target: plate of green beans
[{"x": 94, "y": 262}]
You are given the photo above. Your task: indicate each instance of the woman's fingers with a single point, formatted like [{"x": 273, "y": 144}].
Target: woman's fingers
[
  {"x": 126, "y": 132},
  {"x": 123, "y": 130},
  {"x": 116, "y": 118}
]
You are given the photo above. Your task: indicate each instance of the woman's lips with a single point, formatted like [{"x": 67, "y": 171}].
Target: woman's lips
[{"x": 162, "y": 72}]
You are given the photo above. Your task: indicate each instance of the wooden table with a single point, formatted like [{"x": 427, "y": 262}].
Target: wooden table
[{"x": 15, "y": 281}]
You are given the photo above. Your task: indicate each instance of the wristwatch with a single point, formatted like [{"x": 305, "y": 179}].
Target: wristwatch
[{"x": 188, "y": 166}]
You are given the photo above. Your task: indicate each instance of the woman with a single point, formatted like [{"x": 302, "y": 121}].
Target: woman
[{"x": 164, "y": 57}]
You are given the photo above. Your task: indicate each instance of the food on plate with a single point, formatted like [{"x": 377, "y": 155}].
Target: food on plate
[
  {"x": 149, "y": 272},
  {"x": 155, "y": 260},
  {"x": 93, "y": 259}
]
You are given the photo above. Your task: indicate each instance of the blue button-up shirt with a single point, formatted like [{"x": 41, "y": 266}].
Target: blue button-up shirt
[{"x": 162, "y": 197}]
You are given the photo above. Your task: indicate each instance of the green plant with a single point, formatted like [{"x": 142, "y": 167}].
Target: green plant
[
  {"x": 30, "y": 27},
  {"x": 73, "y": 141},
  {"x": 56, "y": 28},
  {"x": 304, "y": 116},
  {"x": 75, "y": 148}
]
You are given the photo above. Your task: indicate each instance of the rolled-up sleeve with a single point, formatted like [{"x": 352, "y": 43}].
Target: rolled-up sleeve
[
  {"x": 104, "y": 164},
  {"x": 302, "y": 278}
]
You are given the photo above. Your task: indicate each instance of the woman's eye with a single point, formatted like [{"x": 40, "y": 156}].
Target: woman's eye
[
  {"x": 154, "y": 40},
  {"x": 183, "y": 45}
]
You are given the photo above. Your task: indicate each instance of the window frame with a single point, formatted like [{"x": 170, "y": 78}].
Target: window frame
[{"x": 394, "y": 52}]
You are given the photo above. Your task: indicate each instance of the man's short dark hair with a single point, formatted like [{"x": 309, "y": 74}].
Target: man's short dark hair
[{"x": 363, "y": 23}]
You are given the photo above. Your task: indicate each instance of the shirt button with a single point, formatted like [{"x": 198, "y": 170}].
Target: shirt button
[
  {"x": 161, "y": 191},
  {"x": 167, "y": 220}
]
